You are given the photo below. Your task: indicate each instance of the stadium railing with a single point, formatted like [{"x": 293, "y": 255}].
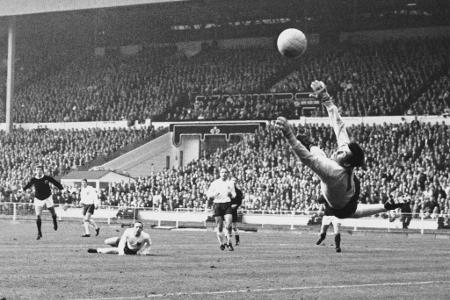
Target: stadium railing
[{"x": 198, "y": 217}]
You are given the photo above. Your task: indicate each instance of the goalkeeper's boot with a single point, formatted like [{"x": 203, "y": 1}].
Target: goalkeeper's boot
[{"x": 391, "y": 204}]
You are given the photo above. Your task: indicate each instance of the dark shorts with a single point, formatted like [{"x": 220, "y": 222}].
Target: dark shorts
[
  {"x": 128, "y": 251},
  {"x": 88, "y": 209},
  {"x": 222, "y": 209},
  {"x": 234, "y": 214},
  {"x": 349, "y": 209}
]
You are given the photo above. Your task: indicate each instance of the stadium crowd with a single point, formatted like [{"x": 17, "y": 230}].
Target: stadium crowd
[
  {"x": 117, "y": 87},
  {"x": 59, "y": 151},
  {"x": 366, "y": 79},
  {"x": 375, "y": 79},
  {"x": 435, "y": 100},
  {"x": 408, "y": 161}
]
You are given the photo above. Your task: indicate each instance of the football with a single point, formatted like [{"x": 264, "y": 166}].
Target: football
[{"x": 291, "y": 43}]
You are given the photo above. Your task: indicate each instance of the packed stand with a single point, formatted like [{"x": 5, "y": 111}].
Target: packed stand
[
  {"x": 141, "y": 86},
  {"x": 59, "y": 151},
  {"x": 366, "y": 79},
  {"x": 97, "y": 89},
  {"x": 27, "y": 67},
  {"x": 435, "y": 100},
  {"x": 373, "y": 79},
  {"x": 225, "y": 71}
]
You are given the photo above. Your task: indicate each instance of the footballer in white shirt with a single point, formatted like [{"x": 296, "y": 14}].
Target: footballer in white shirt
[
  {"x": 90, "y": 201},
  {"x": 221, "y": 191}
]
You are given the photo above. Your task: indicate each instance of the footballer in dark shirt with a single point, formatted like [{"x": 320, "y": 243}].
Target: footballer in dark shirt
[
  {"x": 235, "y": 203},
  {"x": 43, "y": 196}
]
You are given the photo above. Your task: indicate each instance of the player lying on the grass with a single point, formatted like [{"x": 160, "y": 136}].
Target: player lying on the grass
[
  {"x": 134, "y": 241},
  {"x": 43, "y": 196},
  {"x": 339, "y": 185},
  {"x": 327, "y": 219}
]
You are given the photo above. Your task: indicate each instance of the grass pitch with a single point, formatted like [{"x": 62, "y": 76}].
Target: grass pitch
[{"x": 189, "y": 265}]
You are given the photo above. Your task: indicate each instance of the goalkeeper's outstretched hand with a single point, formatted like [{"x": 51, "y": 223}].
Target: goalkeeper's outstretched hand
[
  {"x": 319, "y": 90},
  {"x": 283, "y": 124}
]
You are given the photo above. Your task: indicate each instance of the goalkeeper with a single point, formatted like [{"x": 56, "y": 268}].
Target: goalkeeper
[
  {"x": 339, "y": 185},
  {"x": 134, "y": 241}
]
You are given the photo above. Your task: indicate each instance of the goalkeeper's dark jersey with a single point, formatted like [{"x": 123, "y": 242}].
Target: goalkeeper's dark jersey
[{"x": 42, "y": 186}]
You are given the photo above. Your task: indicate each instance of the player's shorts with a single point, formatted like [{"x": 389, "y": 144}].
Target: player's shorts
[
  {"x": 346, "y": 212},
  {"x": 327, "y": 220},
  {"x": 234, "y": 214},
  {"x": 88, "y": 209},
  {"x": 222, "y": 209},
  {"x": 39, "y": 204},
  {"x": 129, "y": 251}
]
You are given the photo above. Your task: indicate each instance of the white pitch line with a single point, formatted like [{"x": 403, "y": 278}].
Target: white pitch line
[{"x": 300, "y": 288}]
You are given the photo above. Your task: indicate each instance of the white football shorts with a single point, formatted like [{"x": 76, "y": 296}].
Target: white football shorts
[
  {"x": 39, "y": 204},
  {"x": 327, "y": 220}
]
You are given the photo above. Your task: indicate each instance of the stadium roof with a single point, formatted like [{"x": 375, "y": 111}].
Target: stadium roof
[
  {"x": 94, "y": 175},
  {"x": 26, "y": 7},
  {"x": 86, "y": 174}
]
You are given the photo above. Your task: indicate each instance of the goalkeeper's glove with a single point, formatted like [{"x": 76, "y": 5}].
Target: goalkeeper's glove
[{"x": 320, "y": 91}]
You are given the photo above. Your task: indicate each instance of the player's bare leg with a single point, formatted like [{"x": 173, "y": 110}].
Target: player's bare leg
[
  {"x": 114, "y": 250},
  {"x": 113, "y": 241},
  {"x": 96, "y": 228},
  {"x": 88, "y": 221},
  {"x": 219, "y": 232},
  {"x": 228, "y": 232},
  {"x": 365, "y": 210},
  {"x": 38, "y": 210},
  {"x": 54, "y": 217}
]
